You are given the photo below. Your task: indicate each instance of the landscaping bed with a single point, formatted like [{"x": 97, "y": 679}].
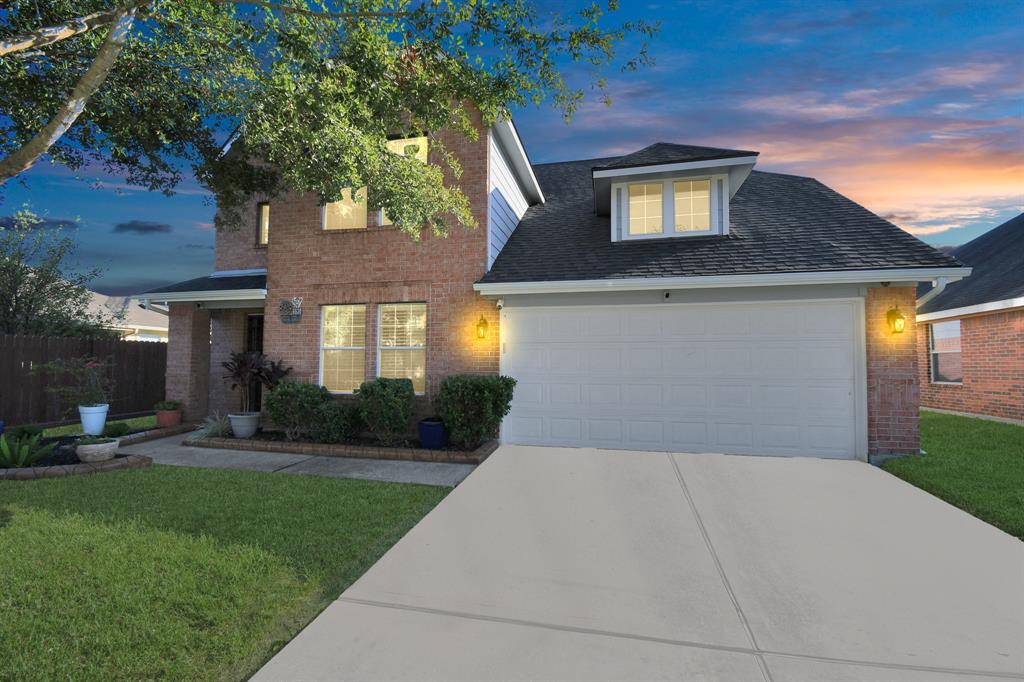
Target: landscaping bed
[
  {"x": 272, "y": 442},
  {"x": 974, "y": 464},
  {"x": 179, "y": 573}
]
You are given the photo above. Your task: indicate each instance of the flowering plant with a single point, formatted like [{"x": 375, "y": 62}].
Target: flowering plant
[{"x": 83, "y": 381}]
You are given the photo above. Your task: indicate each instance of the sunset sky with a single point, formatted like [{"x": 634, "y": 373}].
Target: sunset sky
[{"x": 914, "y": 109}]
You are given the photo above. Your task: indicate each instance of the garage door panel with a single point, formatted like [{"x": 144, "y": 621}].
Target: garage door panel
[{"x": 737, "y": 378}]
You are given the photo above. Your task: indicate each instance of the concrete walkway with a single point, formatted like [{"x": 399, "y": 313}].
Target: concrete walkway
[
  {"x": 171, "y": 451},
  {"x": 584, "y": 564}
]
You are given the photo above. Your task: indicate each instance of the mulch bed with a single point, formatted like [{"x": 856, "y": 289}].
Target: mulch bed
[
  {"x": 64, "y": 462},
  {"x": 270, "y": 442}
]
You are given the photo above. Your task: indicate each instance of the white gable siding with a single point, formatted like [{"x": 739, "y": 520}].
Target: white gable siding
[{"x": 506, "y": 203}]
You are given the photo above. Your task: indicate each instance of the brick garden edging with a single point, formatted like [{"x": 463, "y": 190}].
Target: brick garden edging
[
  {"x": 340, "y": 450},
  {"x": 153, "y": 434},
  {"x": 81, "y": 469}
]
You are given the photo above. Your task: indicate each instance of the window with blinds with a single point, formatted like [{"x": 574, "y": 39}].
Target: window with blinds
[
  {"x": 402, "y": 343},
  {"x": 343, "y": 347}
]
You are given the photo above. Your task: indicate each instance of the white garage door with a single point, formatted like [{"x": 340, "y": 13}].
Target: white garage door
[{"x": 739, "y": 378}]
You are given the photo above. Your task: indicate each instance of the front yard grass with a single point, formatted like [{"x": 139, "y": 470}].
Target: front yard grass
[
  {"x": 181, "y": 573},
  {"x": 134, "y": 424},
  {"x": 974, "y": 464}
]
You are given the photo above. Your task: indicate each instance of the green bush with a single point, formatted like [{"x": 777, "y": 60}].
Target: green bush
[
  {"x": 214, "y": 426},
  {"x": 473, "y": 406},
  {"x": 116, "y": 430},
  {"x": 337, "y": 422},
  {"x": 386, "y": 407},
  {"x": 25, "y": 431},
  {"x": 22, "y": 451},
  {"x": 167, "y": 406},
  {"x": 293, "y": 407},
  {"x": 94, "y": 440}
]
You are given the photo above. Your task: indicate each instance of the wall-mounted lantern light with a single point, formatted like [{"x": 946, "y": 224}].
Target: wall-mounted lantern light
[
  {"x": 481, "y": 328},
  {"x": 897, "y": 323}
]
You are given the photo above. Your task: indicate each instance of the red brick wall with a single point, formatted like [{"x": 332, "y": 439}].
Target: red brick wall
[
  {"x": 992, "y": 352},
  {"x": 227, "y": 336},
  {"x": 237, "y": 249},
  {"x": 892, "y": 374},
  {"x": 188, "y": 358},
  {"x": 384, "y": 265}
]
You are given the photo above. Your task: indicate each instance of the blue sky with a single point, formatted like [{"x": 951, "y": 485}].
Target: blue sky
[{"x": 914, "y": 109}]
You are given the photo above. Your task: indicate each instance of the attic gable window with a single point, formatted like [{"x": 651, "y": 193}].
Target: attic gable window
[{"x": 670, "y": 207}]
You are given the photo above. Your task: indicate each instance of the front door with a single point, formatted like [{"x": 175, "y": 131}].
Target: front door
[{"x": 254, "y": 343}]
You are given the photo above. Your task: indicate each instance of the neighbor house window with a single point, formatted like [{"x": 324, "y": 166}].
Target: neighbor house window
[
  {"x": 343, "y": 347},
  {"x": 407, "y": 146},
  {"x": 645, "y": 216},
  {"x": 402, "y": 343},
  {"x": 348, "y": 213},
  {"x": 692, "y": 205},
  {"x": 263, "y": 220},
  {"x": 944, "y": 347}
]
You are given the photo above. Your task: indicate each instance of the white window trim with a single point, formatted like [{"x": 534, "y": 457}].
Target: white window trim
[
  {"x": 718, "y": 200},
  {"x": 322, "y": 348},
  {"x": 426, "y": 325},
  {"x": 932, "y": 352}
]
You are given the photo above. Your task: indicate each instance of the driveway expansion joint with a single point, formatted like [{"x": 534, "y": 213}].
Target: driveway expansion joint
[
  {"x": 761, "y": 662},
  {"x": 755, "y": 652}
]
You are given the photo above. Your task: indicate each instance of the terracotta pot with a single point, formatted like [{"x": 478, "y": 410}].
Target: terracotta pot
[{"x": 167, "y": 418}]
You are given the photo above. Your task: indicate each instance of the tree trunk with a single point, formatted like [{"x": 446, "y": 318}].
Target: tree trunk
[{"x": 22, "y": 159}]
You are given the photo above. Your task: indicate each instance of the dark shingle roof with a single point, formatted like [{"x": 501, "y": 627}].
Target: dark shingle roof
[
  {"x": 213, "y": 284},
  {"x": 666, "y": 152},
  {"x": 998, "y": 261},
  {"x": 778, "y": 223}
]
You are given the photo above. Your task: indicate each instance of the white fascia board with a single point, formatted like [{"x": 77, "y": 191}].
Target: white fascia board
[
  {"x": 669, "y": 167},
  {"x": 990, "y": 307},
  {"x": 196, "y": 296},
  {"x": 239, "y": 273},
  {"x": 508, "y": 137},
  {"x": 895, "y": 276}
]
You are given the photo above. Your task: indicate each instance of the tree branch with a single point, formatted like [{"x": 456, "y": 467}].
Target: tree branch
[
  {"x": 23, "y": 158},
  {"x": 52, "y": 34}
]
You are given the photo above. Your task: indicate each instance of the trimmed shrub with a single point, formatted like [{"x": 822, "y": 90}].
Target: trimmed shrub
[
  {"x": 386, "y": 407},
  {"x": 293, "y": 407},
  {"x": 116, "y": 430},
  {"x": 337, "y": 422},
  {"x": 472, "y": 407}
]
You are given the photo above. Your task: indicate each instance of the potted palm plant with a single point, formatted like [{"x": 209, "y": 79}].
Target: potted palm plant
[{"x": 246, "y": 371}]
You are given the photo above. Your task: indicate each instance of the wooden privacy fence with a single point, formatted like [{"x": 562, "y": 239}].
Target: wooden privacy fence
[{"x": 138, "y": 370}]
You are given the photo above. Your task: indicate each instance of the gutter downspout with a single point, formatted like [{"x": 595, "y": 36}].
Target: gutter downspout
[{"x": 938, "y": 286}]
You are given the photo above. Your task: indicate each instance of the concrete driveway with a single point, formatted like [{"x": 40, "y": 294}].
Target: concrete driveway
[{"x": 578, "y": 564}]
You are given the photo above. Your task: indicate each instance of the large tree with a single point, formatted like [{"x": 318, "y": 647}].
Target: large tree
[
  {"x": 41, "y": 292},
  {"x": 310, "y": 89}
]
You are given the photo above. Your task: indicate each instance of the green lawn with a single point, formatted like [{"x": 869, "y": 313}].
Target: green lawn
[
  {"x": 181, "y": 573},
  {"x": 974, "y": 464},
  {"x": 134, "y": 424}
]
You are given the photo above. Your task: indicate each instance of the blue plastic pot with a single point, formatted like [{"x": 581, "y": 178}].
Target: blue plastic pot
[{"x": 433, "y": 435}]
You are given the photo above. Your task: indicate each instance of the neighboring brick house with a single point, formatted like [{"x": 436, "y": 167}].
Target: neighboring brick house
[
  {"x": 670, "y": 299},
  {"x": 971, "y": 332}
]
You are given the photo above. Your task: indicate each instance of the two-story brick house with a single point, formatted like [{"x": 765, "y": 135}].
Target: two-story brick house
[{"x": 670, "y": 299}]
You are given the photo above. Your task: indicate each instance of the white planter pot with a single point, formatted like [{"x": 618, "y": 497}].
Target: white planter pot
[
  {"x": 94, "y": 418},
  {"x": 99, "y": 452},
  {"x": 244, "y": 424}
]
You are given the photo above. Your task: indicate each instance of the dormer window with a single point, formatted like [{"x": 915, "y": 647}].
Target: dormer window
[{"x": 670, "y": 207}]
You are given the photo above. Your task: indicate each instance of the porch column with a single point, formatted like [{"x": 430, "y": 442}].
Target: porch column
[{"x": 188, "y": 359}]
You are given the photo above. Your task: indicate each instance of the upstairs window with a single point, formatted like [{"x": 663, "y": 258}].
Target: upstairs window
[
  {"x": 407, "y": 146},
  {"x": 674, "y": 207},
  {"x": 944, "y": 351},
  {"x": 692, "y": 205},
  {"x": 347, "y": 214},
  {"x": 262, "y": 223},
  {"x": 645, "y": 215}
]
